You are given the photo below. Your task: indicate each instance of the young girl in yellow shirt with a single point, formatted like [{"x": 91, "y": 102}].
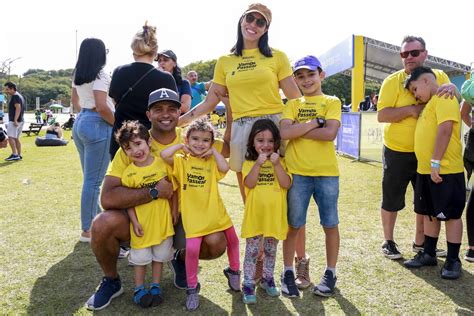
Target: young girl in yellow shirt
[
  {"x": 198, "y": 170},
  {"x": 266, "y": 182}
]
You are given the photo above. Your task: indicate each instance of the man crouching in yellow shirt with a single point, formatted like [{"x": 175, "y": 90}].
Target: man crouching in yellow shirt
[{"x": 440, "y": 186}]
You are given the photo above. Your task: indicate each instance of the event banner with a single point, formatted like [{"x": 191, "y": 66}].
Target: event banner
[
  {"x": 348, "y": 135},
  {"x": 371, "y": 137}
]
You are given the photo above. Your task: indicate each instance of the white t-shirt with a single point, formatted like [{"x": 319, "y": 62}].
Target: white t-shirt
[{"x": 86, "y": 91}]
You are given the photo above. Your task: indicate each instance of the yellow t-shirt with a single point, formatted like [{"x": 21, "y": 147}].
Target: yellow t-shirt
[
  {"x": 214, "y": 119},
  {"x": 437, "y": 111},
  {"x": 265, "y": 204},
  {"x": 398, "y": 136},
  {"x": 308, "y": 157},
  {"x": 155, "y": 216},
  {"x": 121, "y": 161},
  {"x": 202, "y": 209},
  {"x": 252, "y": 81}
]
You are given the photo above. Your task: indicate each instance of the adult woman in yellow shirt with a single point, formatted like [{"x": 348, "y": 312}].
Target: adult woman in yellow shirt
[{"x": 251, "y": 75}]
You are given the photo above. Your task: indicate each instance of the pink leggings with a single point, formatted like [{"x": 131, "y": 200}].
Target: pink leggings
[{"x": 193, "y": 247}]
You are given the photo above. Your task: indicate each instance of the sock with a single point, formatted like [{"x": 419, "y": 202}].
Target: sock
[
  {"x": 453, "y": 251},
  {"x": 333, "y": 270},
  {"x": 430, "y": 245},
  {"x": 290, "y": 268}
]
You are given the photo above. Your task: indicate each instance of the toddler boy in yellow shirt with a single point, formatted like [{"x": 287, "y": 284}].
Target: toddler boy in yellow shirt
[{"x": 151, "y": 224}]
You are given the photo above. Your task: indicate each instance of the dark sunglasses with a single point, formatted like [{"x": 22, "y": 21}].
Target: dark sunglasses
[
  {"x": 261, "y": 22},
  {"x": 413, "y": 53}
]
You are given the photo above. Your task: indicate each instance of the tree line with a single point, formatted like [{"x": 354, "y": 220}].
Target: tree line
[{"x": 55, "y": 85}]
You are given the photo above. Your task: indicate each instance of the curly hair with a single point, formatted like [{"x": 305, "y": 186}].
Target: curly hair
[
  {"x": 129, "y": 131},
  {"x": 201, "y": 125}
]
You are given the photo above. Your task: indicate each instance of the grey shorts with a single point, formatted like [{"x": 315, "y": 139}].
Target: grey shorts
[
  {"x": 240, "y": 136},
  {"x": 14, "y": 131}
]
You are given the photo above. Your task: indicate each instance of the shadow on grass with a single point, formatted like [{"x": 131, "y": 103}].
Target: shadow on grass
[
  {"x": 6, "y": 163},
  {"x": 460, "y": 291},
  {"x": 266, "y": 305},
  {"x": 69, "y": 283},
  {"x": 308, "y": 303}
]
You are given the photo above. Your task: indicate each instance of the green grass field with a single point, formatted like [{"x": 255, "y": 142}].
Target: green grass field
[{"x": 45, "y": 270}]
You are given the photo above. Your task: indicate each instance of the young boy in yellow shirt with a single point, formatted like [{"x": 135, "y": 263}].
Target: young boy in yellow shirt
[
  {"x": 311, "y": 124},
  {"x": 440, "y": 186},
  {"x": 151, "y": 224}
]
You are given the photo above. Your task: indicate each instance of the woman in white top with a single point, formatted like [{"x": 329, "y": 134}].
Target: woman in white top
[{"x": 93, "y": 126}]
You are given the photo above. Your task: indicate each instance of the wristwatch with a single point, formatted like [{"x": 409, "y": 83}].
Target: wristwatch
[
  {"x": 321, "y": 122},
  {"x": 154, "y": 193}
]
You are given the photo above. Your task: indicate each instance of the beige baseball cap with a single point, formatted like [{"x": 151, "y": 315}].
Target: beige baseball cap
[{"x": 262, "y": 9}]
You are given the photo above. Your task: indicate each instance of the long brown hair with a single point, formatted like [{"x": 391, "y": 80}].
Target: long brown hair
[{"x": 260, "y": 126}]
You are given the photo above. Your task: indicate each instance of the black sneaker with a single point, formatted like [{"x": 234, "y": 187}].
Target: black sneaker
[
  {"x": 421, "y": 259},
  {"x": 326, "y": 286},
  {"x": 9, "y": 157},
  {"x": 451, "y": 270},
  {"x": 288, "y": 285},
  {"x": 179, "y": 271},
  {"x": 108, "y": 289},
  {"x": 13, "y": 158},
  {"x": 439, "y": 252},
  {"x": 389, "y": 249},
  {"x": 469, "y": 255}
]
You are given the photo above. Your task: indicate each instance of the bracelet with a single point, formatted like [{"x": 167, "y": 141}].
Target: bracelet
[
  {"x": 435, "y": 164},
  {"x": 435, "y": 161}
]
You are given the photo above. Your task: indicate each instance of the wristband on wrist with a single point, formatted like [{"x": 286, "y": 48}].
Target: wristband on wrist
[{"x": 435, "y": 163}]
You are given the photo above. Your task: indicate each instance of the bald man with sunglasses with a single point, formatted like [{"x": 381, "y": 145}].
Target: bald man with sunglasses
[{"x": 399, "y": 109}]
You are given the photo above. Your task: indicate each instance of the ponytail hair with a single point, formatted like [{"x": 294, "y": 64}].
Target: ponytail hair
[{"x": 144, "y": 42}]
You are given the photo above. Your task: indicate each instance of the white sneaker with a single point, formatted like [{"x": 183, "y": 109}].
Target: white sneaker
[
  {"x": 84, "y": 239},
  {"x": 123, "y": 253}
]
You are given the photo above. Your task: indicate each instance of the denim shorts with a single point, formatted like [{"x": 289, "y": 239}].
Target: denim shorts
[{"x": 325, "y": 192}]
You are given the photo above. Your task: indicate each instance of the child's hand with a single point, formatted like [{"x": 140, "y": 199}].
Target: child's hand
[
  {"x": 138, "y": 230},
  {"x": 186, "y": 150},
  {"x": 275, "y": 159},
  {"x": 208, "y": 153},
  {"x": 435, "y": 177},
  {"x": 175, "y": 216},
  {"x": 261, "y": 159}
]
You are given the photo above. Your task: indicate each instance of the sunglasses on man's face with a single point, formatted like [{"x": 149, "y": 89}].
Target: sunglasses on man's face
[
  {"x": 261, "y": 22},
  {"x": 413, "y": 53}
]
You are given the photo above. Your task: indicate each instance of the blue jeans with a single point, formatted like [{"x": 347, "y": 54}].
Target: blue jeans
[
  {"x": 92, "y": 138},
  {"x": 325, "y": 192}
]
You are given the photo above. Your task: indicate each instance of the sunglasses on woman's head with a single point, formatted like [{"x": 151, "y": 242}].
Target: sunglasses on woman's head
[
  {"x": 413, "y": 53},
  {"x": 261, "y": 22}
]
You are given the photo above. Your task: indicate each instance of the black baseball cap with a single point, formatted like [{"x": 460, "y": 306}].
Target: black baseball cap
[
  {"x": 168, "y": 53},
  {"x": 163, "y": 94}
]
